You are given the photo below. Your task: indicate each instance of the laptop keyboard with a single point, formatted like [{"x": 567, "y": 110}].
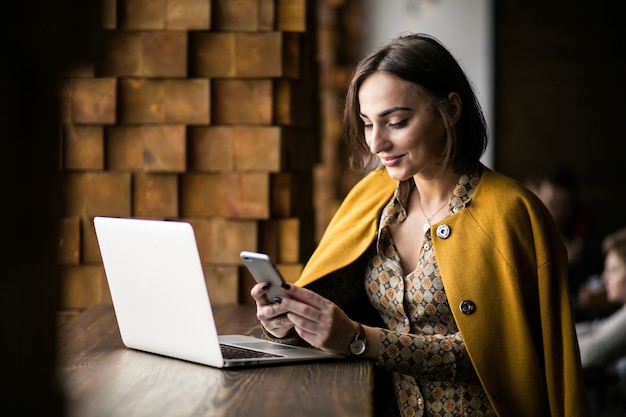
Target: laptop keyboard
[{"x": 233, "y": 352}]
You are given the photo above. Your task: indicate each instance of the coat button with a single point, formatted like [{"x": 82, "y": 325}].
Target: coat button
[
  {"x": 443, "y": 231},
  {"x": 467, "y": 307}
]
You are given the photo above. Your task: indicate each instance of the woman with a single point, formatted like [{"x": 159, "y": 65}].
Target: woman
[
  {"x": 603, "y": 342},
  {"x": 450, "y": 276}
]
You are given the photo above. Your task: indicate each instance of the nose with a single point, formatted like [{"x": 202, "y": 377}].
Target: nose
[{"x": 377, "y": 140}]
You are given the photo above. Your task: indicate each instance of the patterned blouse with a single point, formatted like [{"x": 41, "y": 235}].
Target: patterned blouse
[{"x": 421, "y": 344}]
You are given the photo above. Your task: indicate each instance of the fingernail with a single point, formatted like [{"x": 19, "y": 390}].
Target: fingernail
[
  {"x": 265, "y": 287},
  {"x": 285, "y": 285},
  {"x": 278, "y": 300}
]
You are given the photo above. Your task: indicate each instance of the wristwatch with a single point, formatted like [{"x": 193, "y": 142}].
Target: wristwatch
[{"x": 358, "y": 345}]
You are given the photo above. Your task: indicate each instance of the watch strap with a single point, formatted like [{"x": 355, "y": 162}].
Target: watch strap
[{"x": 358, "y": 346}]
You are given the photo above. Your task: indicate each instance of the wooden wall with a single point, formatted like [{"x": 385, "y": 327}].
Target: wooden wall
[
  {"x": 204, "y": 111},
  {"x": 340, "y": 33}
]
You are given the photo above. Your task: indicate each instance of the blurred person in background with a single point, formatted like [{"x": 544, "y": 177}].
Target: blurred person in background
[
  {"x": 602, "y": 342},
  {"x": 558, "y": 189}
]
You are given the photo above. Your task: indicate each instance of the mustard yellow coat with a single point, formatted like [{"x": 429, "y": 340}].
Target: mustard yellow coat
[{"x": 521, "y": 336}]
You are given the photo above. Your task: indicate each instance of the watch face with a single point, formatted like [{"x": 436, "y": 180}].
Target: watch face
[{"x": 357, "y": 347}]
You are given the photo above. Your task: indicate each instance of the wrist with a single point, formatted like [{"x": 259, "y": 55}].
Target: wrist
[{"x": 358, "y": 344}]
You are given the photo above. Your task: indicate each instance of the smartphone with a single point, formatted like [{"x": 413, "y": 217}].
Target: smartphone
[{"x": 264, "y": 270}]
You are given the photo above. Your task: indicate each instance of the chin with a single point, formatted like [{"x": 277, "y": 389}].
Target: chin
[
  {"x": 614, "y": 298},
  {"x": 398, "y": 174}
]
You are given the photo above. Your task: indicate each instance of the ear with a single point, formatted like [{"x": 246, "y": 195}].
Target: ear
[{"x": 456, "y": 106}]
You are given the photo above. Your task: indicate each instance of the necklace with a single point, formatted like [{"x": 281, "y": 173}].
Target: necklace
[{"x": 426, "y": 226}]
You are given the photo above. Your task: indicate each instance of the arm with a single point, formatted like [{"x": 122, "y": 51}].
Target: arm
[
  {"x": 317, "y": 320},
  {"x": 437, "y": 355},
  {"x": 441, "y": 356},
  {"x": 605, "y": 342},
  {"x": 343, "y": 287},
  {"x": 324, "y": 325}
]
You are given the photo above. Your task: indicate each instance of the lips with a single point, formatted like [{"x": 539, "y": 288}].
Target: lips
[{"x": 389, "y": 161}]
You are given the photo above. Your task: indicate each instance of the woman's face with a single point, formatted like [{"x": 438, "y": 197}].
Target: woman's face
[
  {"x": 402, "y": 126},
  {"x": 614, "y": 277}
]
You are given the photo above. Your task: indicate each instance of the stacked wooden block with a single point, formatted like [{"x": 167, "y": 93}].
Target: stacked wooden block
[
  {"x": 199, "y": 110},
  {"x": 340, "y": 30}
]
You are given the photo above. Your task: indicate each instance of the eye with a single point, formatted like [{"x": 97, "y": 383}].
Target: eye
[
  {"x": 399, "y": 125},
  {"x": 366, "y": 125}
]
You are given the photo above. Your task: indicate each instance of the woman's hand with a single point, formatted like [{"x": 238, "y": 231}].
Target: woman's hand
[
  {"x": 317, "y": 320},
  {"x": 273, "y": 316}
]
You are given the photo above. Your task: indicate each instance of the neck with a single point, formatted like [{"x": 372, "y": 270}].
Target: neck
[{"x": 433, "y": 192}]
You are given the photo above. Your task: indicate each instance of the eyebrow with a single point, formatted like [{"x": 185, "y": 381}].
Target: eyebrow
[{"x": 388, "y": 111}]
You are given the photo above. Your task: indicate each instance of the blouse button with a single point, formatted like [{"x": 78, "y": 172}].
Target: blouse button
[
  {"x": 426, "y": 246},
  {"x": 467, "y": 307},
  {"x": 443, "y": 231}
]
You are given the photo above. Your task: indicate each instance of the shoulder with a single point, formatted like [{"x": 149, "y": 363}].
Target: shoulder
[
  {"x": 617, "y": 321},
  {"x": 504, "y": 188},
  {"x": 353, "y": 227},
  {"x": 364, "y": 201},
  {"x": 376, "y": 182},
  {"x": 503, "y": 208},
  {"x": 501, "y": 194}
]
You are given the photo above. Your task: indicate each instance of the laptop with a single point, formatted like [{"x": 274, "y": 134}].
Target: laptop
[{"x": 161, "y": 301}]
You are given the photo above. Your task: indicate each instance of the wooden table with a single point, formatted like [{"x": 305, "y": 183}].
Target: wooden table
[{"x": 101, "y": 377}]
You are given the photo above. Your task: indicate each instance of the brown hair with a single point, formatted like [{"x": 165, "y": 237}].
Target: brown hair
[
  {"x": 422, "y": 60},
  {"x": 616, "y": 241}
]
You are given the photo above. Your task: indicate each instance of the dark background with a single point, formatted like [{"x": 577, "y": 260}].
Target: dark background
[
  {"x": 40, "y": 39},
  {"x": 560, "y": 93}
]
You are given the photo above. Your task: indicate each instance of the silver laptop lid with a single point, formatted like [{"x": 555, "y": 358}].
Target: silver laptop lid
[{"x": 156, "y": 313}]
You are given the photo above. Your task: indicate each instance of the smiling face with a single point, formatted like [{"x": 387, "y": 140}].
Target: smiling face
[
  {"x": 614, "y": 277},
  {"x": 402, "y": 127}
]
